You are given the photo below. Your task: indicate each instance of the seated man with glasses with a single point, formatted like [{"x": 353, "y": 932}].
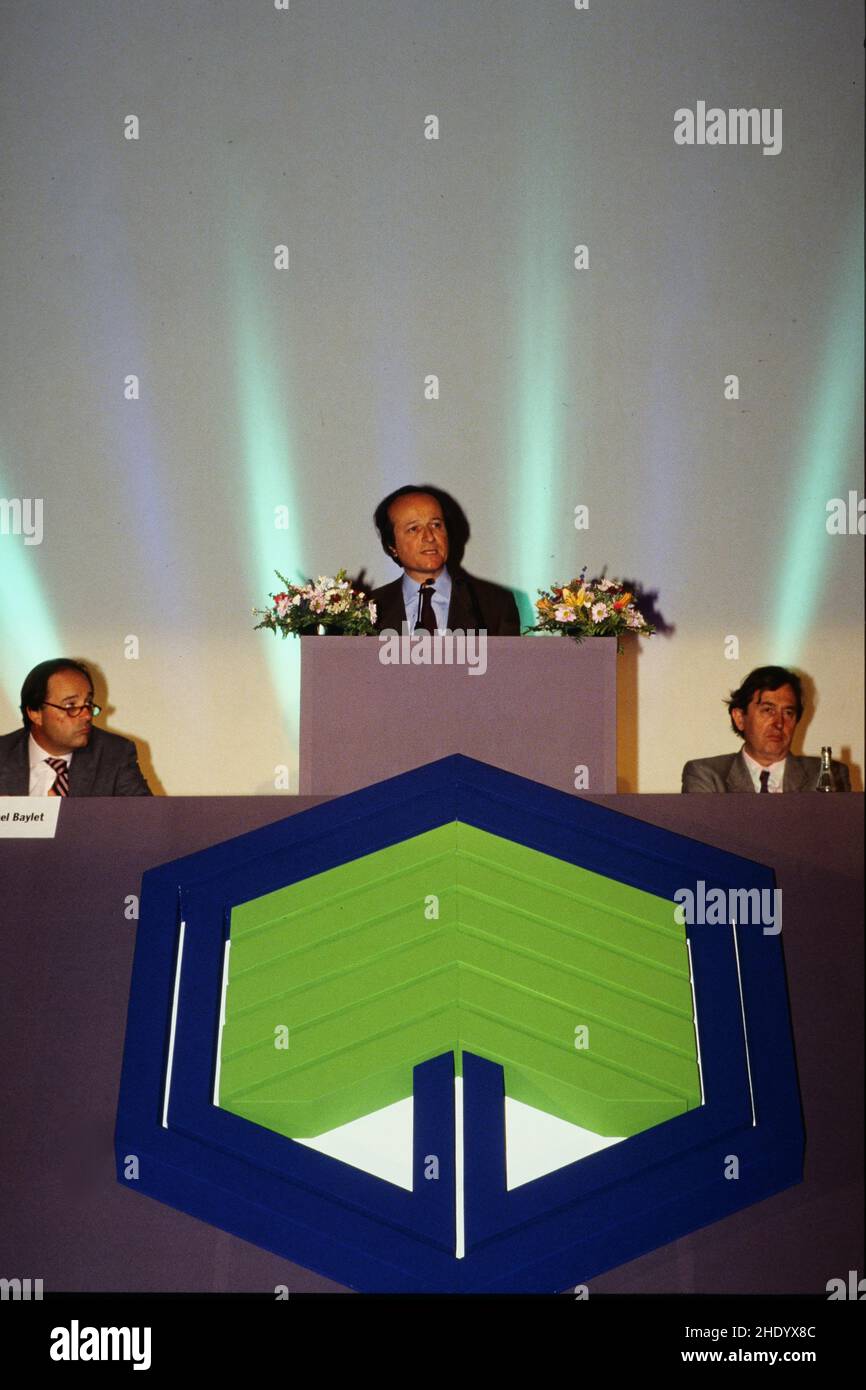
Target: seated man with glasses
[{"x": 59, "y": 752}]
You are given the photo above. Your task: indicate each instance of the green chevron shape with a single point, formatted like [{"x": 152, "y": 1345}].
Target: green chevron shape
[{"x": 577, "y": 984}]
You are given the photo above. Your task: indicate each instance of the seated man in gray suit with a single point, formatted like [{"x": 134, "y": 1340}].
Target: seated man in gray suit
[
  {"x": 764, "y": 713},
  {"x": 424, "y": 531},
  {"x": 59, "y": 752}
]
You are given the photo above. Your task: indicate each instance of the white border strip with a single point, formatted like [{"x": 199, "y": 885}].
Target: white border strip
[
  {"x": 459, "y": 1225},
  {"x": 745, "y": 1029},
  {"x": 177, "y": 968},
  {"x": 222, "y": 1023},
  {"x": 695, "y": 1020}
]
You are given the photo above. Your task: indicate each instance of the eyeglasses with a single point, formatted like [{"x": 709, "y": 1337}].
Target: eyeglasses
[{"x": 75, "y": 710}]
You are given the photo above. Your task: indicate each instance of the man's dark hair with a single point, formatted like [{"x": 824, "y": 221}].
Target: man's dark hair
[
  {"x": 759, "y": 680},
  {"x": 453, "y": 515},
  {"x": 35, "y": 686}
]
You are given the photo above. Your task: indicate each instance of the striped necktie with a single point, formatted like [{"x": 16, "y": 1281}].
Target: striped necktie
[{"x": 60, "y": 786}]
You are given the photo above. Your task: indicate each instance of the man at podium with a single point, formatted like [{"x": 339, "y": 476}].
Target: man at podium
[{"x": 423, "y": 530}]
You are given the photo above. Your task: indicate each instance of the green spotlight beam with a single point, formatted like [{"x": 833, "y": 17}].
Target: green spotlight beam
[
  {"x": 269, "y": 473},
  {"x": 820, "y": 471},
  {"x": 537, "y": 423}
]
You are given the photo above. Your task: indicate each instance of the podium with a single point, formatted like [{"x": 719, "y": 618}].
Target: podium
[{"x": 373, "y": 707}]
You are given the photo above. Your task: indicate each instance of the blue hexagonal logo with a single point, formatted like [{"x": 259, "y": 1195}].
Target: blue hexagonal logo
[{"x": 451, "y": 1034}]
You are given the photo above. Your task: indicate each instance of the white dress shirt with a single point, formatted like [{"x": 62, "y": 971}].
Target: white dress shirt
[
  {"x": 42, "y": 775},
  {"x": 776, "y": 771},
  {"x": 441, "y": 600}
]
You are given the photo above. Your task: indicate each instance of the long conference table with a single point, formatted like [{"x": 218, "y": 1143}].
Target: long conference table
[{"x": 67, "y": 940}]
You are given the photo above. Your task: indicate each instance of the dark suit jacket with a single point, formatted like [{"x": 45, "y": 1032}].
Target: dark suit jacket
[
  {"x": 475, "y": 604},
  {"x": 729, "y": 773},
  {"x": 108, "y": 766}
]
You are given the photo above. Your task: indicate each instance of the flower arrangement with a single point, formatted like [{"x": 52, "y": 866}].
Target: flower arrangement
[
  {"x": 590, "y": 608},
  {"x": 326, "y": 606}
]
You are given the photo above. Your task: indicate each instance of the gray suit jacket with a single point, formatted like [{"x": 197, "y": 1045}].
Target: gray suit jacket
[
  {"x": 108, "y": 766},
  {"x": 729, "y": 773}
]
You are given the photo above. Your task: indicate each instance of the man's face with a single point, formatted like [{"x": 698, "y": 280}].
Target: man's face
[
  {"x": 768, "y": 723},
  {"x": 420, "y": 537},
  {"x": 60, "y": 733}
]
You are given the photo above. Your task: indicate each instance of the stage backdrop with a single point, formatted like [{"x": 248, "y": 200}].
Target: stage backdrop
[{"x": 266, "y": 261}]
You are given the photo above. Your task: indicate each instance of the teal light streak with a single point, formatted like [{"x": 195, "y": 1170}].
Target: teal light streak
[
  {"x": 269, "y": 468},
  {"x": 537, "y": 427},
  {"x": 820, "y": 472},
  {"x": 28, "y": 633}
]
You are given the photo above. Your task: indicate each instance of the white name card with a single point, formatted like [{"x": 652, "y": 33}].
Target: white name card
[{"x": 29, "y": 817}]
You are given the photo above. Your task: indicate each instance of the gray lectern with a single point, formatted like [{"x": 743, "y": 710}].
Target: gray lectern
[{"x": 372, "y": 707}]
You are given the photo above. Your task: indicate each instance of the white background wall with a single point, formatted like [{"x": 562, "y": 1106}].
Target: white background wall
[{"x": 408, "y": 256}]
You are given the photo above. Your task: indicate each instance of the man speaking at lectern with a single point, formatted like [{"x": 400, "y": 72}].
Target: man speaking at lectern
[{"x": 424, "y": 530}]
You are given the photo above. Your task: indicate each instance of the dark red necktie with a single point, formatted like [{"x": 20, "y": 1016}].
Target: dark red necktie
[
  {"x": 765, "y": 780},
  {"x": 60, "y": 786},
  {"x": 427, "y": 619}
]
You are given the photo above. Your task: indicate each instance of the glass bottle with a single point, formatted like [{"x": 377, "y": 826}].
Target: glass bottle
[{"x": 825, "y": 776}]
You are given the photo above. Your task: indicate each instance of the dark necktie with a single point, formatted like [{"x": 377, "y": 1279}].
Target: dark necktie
[
  {"x": 60, "y": 786},
  {"x": 427, "y": 618},
  {"x": 765, "y": 780}
]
